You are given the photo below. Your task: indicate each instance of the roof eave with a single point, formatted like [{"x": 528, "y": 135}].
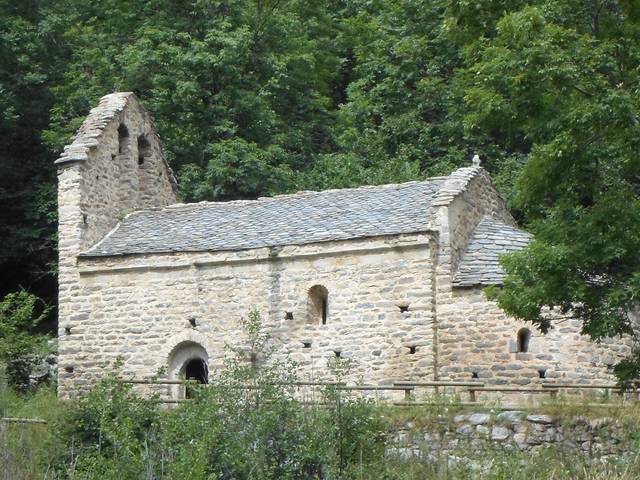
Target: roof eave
[{"x": 89, "y": 254}]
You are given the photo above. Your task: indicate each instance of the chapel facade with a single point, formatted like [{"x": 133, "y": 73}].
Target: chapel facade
[{"x": 390, "y": 277}]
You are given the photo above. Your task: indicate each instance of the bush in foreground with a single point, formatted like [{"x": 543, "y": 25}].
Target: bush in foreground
[{"x": 248, "y": 425}]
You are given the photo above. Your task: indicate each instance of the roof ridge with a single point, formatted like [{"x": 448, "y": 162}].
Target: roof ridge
[{"x": 298, "y": 194}]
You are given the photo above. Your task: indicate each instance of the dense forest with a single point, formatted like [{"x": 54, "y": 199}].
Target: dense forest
[{"x": 260, "y": 97}]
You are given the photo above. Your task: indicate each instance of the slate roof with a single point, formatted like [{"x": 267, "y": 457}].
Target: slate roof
[
  {"x": 479, "y": 264},
  {"x": 305, "y": 217}
]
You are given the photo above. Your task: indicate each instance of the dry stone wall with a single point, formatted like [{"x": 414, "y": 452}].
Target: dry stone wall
[{"x": 466, "y": 436}]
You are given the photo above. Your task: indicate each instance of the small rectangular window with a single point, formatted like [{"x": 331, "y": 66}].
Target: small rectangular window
[{"x": 324, "y": 311}]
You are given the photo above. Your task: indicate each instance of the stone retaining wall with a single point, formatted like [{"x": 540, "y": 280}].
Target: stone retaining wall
[{"x": 513, "y": 430}]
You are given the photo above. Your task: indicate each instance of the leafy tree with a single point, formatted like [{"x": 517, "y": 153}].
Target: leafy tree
[
  {"x": 29, "y": 53},
  {"x": 559, "y": 81},
  {"x": 401, "y": 118},
  {"x": 20, "y": 346}
]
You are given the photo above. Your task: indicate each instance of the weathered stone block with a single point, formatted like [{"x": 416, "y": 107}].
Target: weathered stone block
[
  {"x": 479, "y": 418},
  {"x": 543, "y": 419},
  {"x": 499, "y": 433},
  {"x": 510, "y": 416}
]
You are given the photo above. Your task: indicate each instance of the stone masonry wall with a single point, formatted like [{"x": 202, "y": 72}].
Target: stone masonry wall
[
  {"x": 139, "y": 308},
  {"x": 102, "y": 176},
  {"x": 481, "y": 338},
  {"x": 468, "y": 196},
  {"x": 466, "y": 437}
]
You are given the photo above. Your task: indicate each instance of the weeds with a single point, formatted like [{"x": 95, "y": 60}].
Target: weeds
[{"x": 229, "y": 431}]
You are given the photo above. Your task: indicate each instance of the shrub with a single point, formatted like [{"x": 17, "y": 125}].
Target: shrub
[
  {"x": 21, "y": 348},
  {"x": 246, "y": 425}
]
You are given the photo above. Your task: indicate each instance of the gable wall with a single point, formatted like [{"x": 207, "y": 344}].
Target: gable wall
[
  {"x": 474, "y": 335},
  {"x": 108, "y": 183},
  {"x": 477, "y": 200},
  {"x": 99, "y": 182},
  {"x": 113, "y": 184},
  {"x": 466, "y": 198},
  {"x": 139, "y": 308}
]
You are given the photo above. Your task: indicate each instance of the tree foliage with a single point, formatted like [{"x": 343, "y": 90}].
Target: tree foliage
[
  {"x": 20, "y": 343},
  {"x": 561, "y": 82},
  {"x": 28, "y": 69}
]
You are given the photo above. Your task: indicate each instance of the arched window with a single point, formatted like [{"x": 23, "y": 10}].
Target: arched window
[
  {"x": 144, "y": 149},
  {"x": 318, "y": 304},
  {"x": 524, "y": 335},
  {"x": 123, "y": 138}
]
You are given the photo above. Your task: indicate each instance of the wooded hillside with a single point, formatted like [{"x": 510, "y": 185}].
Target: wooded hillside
[{"x": 259, "y": 97}]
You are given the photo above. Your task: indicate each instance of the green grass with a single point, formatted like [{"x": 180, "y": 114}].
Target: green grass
[
  {"x": 432, "y": 409},
  {"x": 41, "y": 404},
  {"x": 548, "y": 464},
  {"x": 26, "y": 450}
]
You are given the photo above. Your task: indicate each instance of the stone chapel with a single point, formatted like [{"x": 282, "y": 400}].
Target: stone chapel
[{"x": 390, "y": 277}]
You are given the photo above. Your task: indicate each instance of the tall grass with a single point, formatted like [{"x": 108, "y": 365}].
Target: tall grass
[
  {"x": 27, "y": 449},
  {"x": 32, "y": 451}
]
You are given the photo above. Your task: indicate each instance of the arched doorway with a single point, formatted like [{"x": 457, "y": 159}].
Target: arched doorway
[
  {"x": 196, "y": 369},
  {"x": 188, "y": 361}
]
